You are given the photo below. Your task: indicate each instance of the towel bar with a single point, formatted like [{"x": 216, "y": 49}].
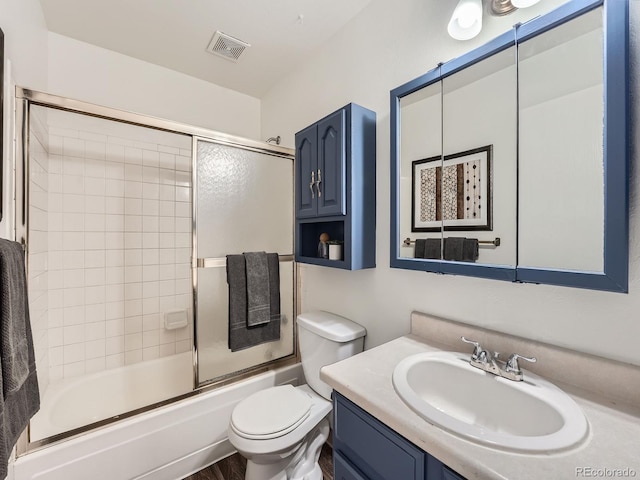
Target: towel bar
[
  {"x": 496, "y": 242},
  {"x": 222, "y": 261}
]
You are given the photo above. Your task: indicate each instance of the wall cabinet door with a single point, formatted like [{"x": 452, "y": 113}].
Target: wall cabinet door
[
  {"x": 306, "y": 166},
  {"x": 331, "y": 165}
]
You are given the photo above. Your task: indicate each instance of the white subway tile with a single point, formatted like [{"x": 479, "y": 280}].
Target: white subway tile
[
  {"x": 73, "y": 241},
  {"x": 114, "y": 361},
  {"x": 56, "y": 297},
  {"x": 94, "y": 258},
  {"x": 132, "y": 240},
  {"x": 94, "y": 295},
  {"x": 132, "y": 325},
  {"x": 94, "y": 241},
  {"x": 94, "y": 222},
  {"x": 151, "y": 174},
  {"x": 184, "y": 301},
  {"x": 151, "y": 322},
  {"x": 132, "y": 341},
  {"x": 55, "y": 146},
  {"x": 133, "y": 257},
  {"x": 72, "y": 147},
  {"x": 56, "y": 356},
  {"x": 114, "y": 223},
  {"x": 167, "y": 193},
  {"x": 185, "y": 151},
  {"x": 183, "y": 271},
  {"x": 167, "y": 303},
  {"x": 114, "y": 240},
  {"x": 150, "y": 207},
  {"x": 150, "y": 158},
  {"x": 167, "y": 208},
  {"x": 151, "y": 191},
  {"x": 114, "y": 188},
  {"x": 150, "y": 353},
  {"x": 72, "y": 203},
  {"x": 183, "y": 287},
  {"x": 94, "y": 205},
  {"x": 56, "y": 374},
  {"x": 72, "y": 370},
  {"x": 133, "y": 189},
  {"x": 114, "y": 257},
  {"x": 114, "y": 293},
  {"x": 115, "y": 153},
  {"x": 73, "y": 278},
  {"x": 133, "y": 206},
  {"x": 167, "y": 240},
  {"x": 167, "y": 161},
  {"x": 183, "y": 240},
  {"x": 183, "y": 209},
  {"x": 114, "y": 310},
  {"x": 95, "y": 313},
  {"x": 72, "y": 259},
  {"x": 151, "y": 338},
  {"x": 183, "y": 194},
  {"x": 150, "y": 289},
  {"x": 168, "y": 256},
  {"x": 183, "y": 346},
  {"x": 132, "y": 308},
  {"x": 183, "y": 255},
  {"x": 167, "y": 337},
  {"x": 95, "y": 186},
  {"x": 167, "y": 349},
  {"x": 132, "y": 223},
  {"x": 133, "y": 172},
  {"x": 94, "y": 331},
  {"x": 150, "y": 256},
  {"x": 95, "y": 150},
  {"x": 150, "y": 305},
  {"x": 150, "y": 224},
  {"x": 73, "y": 184},
  {"x": 151, "y": 240},
  {"x": 114, "y": 345},
  {"x": 91, "y": 136},
  {"x": 183, "y": 179},
  {"x": 56, "y": 315},
  {"x": 73, "y": 353},
  {"x": 56, "y": 183},
  {"x": 55, "y": 223},
  {"x": 134, "y": 356},
  {"x": 56, "y": 338},
  {"x": 114, "y": 328},
  {"x": 73, "y": 297},
  {"x": 113, "y": 170},
  {"x": 73, "y": 222},
  {"x": 150, "y": 273},
  {"x": 132, "y": 274},
  {"x": 183, "y": 333},
  {"x": 95, "y": 168},
  {"x": 114, "y": 206},
  {"x": 133, "y": 155},
  {"x": 167, "y": 287},
  {"x": 169, "y": 149},
  {"x": 183, "y": 163},
  {"x": 56, "y": 202},
  {"x": 95, "y": 365},
  {"x": 114, "y": 275},
  {"x": 74, "y": 315},
  {"x": 132, "y": 291},
  {"x": 95, "y": 349},
  {"x": 73, "y": 334}
]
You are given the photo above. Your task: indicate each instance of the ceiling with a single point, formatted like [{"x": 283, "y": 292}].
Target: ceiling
[{"x": 176, "y": 33}]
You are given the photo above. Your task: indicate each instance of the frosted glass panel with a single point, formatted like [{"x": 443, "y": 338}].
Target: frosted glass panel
[
  {"x": 244, "y": 204},
  {"x": 245, "y": 201}
]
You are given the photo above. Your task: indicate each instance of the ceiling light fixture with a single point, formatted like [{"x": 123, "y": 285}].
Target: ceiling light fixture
[{"x": 466, "y": 21}]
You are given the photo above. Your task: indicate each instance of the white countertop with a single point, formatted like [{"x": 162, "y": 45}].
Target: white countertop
[{"x": 613, "y": 441}]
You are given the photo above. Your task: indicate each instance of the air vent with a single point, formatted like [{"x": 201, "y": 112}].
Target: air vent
[{"x": 226, "y": 46}]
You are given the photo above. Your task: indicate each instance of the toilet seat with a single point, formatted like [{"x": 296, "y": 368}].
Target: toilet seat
[{"x": 271, "y": 413}]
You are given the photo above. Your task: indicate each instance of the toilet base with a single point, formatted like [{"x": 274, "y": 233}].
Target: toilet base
[{"x": 298, "y": 463}]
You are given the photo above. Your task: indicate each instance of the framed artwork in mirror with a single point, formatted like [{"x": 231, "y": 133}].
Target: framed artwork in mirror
[{"x": 453, "y": 193}]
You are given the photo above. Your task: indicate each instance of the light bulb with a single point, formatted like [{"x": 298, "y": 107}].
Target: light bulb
[
  {"x": 523, "y": 3},
  {"x": 466, "y": 21}
]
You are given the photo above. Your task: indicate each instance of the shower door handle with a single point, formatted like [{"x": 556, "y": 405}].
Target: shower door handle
[
  {"x": 312, "y": 183},
  {"x": 318, "y": 182}
]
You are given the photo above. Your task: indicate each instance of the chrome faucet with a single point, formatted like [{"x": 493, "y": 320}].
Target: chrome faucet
[{"x": 490, "y": 362}]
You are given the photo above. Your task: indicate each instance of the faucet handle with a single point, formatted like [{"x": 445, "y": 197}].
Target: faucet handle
[
  {"x": 512, "y": 363},
  {"x": 476, "y": 351}
]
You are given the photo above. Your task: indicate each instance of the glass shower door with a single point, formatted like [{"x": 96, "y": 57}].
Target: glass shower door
[{"x": 244, "y": 203}]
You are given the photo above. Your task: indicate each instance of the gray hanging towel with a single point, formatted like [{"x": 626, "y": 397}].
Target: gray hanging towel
[
  {"x": 240, "y": 335},
  {"x": 470, "y": 250},
  {"x": 20, "y": 398},
  {"x": 421, "y": 245},
  {"x": 433, "y": 248},
  {"x": 257, "y": 272},
  {"x": 453, "y": 247}
]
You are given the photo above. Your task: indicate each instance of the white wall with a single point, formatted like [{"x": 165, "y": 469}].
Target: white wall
[
  {"x": 85, "y": 72},
  {"x": 386, "y": 45}
]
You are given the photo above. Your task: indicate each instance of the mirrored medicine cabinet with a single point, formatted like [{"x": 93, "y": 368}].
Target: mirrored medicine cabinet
[{"x": 511, "y": 162}]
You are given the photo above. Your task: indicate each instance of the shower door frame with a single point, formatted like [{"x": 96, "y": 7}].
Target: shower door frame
[{"x": 24, "y": 99}]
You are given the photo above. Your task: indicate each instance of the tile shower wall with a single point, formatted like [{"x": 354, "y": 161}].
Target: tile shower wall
[
  {"x": 38, "y": 243},
  {"x": 119, "y": 243}
]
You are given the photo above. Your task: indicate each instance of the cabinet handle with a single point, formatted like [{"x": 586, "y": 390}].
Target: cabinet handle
[
  {"x": 318, "y": 182},
  {"x": 312, "y": 183}
]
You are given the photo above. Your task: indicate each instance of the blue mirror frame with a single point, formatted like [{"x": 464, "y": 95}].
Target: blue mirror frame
[{"x": 616, "y": 153}]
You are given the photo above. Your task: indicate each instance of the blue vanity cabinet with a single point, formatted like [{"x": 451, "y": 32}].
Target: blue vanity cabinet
[
  {"x": 364, "y": 448},
  {"x": 335, "y": 187}
]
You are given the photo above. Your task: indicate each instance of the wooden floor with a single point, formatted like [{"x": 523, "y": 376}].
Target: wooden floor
[{"x": 233, "y": 467}]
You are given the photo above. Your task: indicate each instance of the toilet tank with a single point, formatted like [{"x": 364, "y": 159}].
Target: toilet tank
[{"x": 326, "y": 338}]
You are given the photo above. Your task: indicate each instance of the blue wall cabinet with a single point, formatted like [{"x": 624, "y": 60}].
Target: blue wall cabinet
[
  {"x": 336, "y": 188},
  {"x": 364, "y": 448}
]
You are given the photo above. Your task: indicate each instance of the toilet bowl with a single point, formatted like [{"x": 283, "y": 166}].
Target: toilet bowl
[{"x": 281, "y": 430}]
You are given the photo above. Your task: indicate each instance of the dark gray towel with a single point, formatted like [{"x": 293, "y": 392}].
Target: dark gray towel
[
  {"x": 470, "y": 250},
  {"x": 421, "y": 245},
  {"x": 258, "y": 298},
  {"x": 453, "y": 248},
  {"x": 240, "y": 335},
  {"x": 18, "y": 380},
  {"x": 433, "y": 248}
]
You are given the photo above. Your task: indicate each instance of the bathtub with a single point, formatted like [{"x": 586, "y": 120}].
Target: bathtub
[
  {"x": 76, "y": 402},
  {"x": 166, "y": 443}
]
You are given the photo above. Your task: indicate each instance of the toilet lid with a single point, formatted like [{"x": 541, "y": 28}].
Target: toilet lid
[{"x": 271, "y": 413}]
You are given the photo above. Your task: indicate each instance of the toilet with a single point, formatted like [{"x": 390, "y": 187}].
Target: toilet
[{"x": 281, "y": 430}]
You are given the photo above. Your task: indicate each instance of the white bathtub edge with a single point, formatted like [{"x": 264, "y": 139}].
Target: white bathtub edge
[{"x": 168, "y": 443}]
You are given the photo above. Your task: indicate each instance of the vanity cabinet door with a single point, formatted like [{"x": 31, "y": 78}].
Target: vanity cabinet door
[
  {"x": 306, "y": 166},
  {"x": 343, "y": 470}
]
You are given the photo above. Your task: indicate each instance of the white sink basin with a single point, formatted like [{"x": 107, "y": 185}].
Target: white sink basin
[{"x": 529, "y": 416}]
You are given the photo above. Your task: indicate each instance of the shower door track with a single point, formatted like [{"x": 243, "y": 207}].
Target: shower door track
[{"x": 24, "y": 98}]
